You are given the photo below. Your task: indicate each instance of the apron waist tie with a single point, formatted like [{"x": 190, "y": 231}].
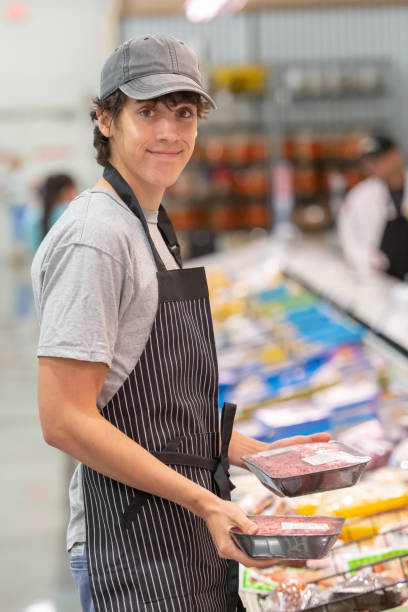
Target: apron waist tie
[{"x": 219, "y": 466}]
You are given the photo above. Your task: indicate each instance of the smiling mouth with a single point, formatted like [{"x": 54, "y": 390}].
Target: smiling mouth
[{"x": 165, "y": 153}]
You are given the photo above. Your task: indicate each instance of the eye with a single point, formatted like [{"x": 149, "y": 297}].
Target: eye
[
  {"x": 186, "y": 112},
  {"x": 146, "y": 111}
]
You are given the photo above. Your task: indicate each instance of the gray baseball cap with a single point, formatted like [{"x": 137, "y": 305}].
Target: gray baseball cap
[{"x": 151, "y": 66}]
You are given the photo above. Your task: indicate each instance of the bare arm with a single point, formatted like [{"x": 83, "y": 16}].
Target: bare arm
[
  {"x": 67, "y": 393},
  {"x": 68, "y": 390}
]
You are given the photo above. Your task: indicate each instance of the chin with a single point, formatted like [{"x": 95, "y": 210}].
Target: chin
[{"x": 165, "y": 182}]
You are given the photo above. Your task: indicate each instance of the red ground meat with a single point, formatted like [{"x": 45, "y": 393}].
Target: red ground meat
[
  {"x": 287, "y": 525},
  {"x": 291, "y": 462}
]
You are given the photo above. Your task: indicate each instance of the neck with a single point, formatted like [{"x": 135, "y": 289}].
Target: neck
[
  {"x": 396, "y": 182},
  {"x": 148, "y": 196}
]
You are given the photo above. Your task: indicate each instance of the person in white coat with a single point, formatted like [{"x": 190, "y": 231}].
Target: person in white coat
[{"x": 373, "y": 220}]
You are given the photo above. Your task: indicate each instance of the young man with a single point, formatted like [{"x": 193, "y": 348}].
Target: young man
[
  {"x": 128, "y": 380},
  {"x": 373, "y": 221}
]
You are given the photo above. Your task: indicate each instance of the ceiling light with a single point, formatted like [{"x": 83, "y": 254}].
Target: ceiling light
[
  {"x": 204, "y": 10},
  {"x": 41, "y": 606},
  {"x": 15, "y": 11}
]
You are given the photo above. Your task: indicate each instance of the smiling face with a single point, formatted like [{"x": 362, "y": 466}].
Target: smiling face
[{"x": 150, "y": 142}]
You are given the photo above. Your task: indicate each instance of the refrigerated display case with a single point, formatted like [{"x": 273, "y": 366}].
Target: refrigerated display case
[{"x": 305, "y": 345}]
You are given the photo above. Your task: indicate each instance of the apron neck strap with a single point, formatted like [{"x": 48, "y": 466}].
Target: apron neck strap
[
  {"x": 397, "y": 200},
  {"x": 169, "y": 235},
  {"x": 116, "y": 180}
]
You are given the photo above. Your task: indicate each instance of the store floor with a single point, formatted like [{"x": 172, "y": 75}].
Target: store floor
[{"x": 34, "y": 573}]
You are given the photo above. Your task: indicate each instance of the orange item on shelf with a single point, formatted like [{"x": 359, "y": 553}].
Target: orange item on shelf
[
  {"x": 258, "y": 149},
  {"x": 182, "y": 220},
  {"x": 221, "y": 179},
  {"x": 199, "y": 152},
  {"x": 360, "y": 508},
  {"x": 353, "y": 176},
  {"x": 225, "y": 216},
  {"x": 358, "y": 528},
  {"x": 288, "y": 149},
  {"x": 251, "y": 181},
  {"x": 216, "y": 150},
  {"x": 369, "y": 506},
  {"x": 324, "y": 180},
  {"x": 330, "y": 147},
  {"x": 350, "y": 147},
  {"x": 306, "y": 180},
  {"x": 256, "y": 214},
  {"x": 239, "y": 150},
  {"x": 189, "y": 218},
  {"x": 308, "y": 148}
]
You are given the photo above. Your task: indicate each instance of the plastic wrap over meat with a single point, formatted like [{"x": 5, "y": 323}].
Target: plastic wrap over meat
[
  {"x": 400, "y": 456},
  {"x": 301, "y": 459},
  {"x": 300, "y": 469},
  {"x": 366, "y": 581},
  {"x": 369, "y": 438},
  {"x": 375, "y": 592},
  {"x": 291, "y": 597}
]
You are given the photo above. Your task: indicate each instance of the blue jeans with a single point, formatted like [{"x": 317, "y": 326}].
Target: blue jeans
[{"x": 79, "y": 569}]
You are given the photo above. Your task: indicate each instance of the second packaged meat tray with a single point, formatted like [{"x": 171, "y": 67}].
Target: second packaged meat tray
[
  {"x": 307, "y": 468},
  {"x": 290, "y": 537}
]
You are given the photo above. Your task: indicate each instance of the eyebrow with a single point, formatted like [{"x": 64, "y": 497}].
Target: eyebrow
[
  {"x": 141, "y": 102},
  {"x": 155, "y": 102}
]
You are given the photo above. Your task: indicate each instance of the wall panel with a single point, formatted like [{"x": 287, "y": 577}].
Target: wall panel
[{"x": 279, "y": 36}]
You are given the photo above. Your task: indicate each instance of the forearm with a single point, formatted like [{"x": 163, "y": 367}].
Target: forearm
[
  {"x": 241, "y": 445},
  {"x": 94, "y": 441}
]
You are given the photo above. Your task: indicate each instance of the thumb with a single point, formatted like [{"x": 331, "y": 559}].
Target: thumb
[
  {"x": 320, "y": 437},
  {"x": 246, "y": 525}
]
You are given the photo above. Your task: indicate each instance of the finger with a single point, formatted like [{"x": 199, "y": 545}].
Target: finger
[
  {"x": 242, "y": 521},
  {"x": 245, "y": 524},
  {"x": 244, "y": 559},
  {"x": 235, "y": 553},
  {"x": 318, "y": 437},
  {"x": 321, "y": 437},
  {"x": 264, "y": 563},
  {"x": 290, "y": 441}
]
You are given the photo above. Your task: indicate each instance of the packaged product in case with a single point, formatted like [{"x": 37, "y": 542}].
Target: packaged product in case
[
  {"x": 307, "y": 468},
  {"x": 290, "y": 537}
]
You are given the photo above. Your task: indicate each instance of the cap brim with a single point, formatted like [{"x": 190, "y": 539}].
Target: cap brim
[{"x": 155, "y": 85}]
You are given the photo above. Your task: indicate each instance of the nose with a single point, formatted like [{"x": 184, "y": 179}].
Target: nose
[{"x": 167, "y": 128}]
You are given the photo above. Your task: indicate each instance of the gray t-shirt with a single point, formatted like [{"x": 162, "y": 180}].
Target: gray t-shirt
[{"x": 95, "y": 291}]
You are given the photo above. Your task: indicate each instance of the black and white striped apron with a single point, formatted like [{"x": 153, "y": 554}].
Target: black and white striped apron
[{"x": 144, "y": 552}]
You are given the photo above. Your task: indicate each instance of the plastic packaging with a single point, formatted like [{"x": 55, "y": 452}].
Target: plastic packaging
[
  {"x": 292, "y": 597},
  {"x": 290, "y": 537},
  {"x": 369, "y": 438},
  {"x": 307, "y": 468},
  {"x": 375, "y": 599},
  {"x": 369, "y": 506}
]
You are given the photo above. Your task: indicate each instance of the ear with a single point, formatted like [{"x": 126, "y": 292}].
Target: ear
[{"x": 104, "y": 123}]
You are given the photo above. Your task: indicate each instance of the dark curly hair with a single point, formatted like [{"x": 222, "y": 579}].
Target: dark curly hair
[
  {"x": 50, "y": 194},
  {"x": 114, "y": 104}
]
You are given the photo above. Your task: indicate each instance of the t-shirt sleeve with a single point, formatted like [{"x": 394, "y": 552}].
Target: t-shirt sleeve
[{"x": 84, "y": 292}]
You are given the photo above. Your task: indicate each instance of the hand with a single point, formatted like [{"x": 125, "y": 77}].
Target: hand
[
  {"x": 220, "y": 518},
  {"x": 318, "y": 437},
  {"x": 240, "y": 445}
]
